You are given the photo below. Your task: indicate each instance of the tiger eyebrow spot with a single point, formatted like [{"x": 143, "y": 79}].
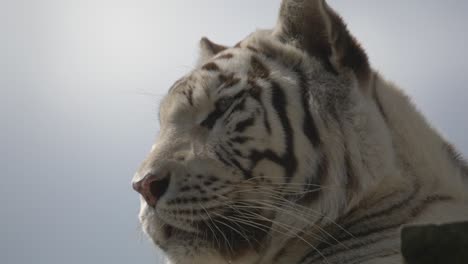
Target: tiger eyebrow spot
[
  {"x": 228, "y": 80},
  {"x": 225, "y": 56},
  {"x": 211, "y": 66}
]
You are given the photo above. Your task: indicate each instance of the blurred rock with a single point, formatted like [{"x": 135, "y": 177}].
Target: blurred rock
[{"x": 435, "y": 244}]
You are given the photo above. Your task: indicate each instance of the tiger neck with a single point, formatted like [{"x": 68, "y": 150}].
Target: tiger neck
[
  {"x": 419, "y": 148},
  {"x": 420, "y": 175}
]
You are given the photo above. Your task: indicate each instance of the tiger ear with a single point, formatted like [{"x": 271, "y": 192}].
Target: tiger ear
[
  {"x": 317, "y": 29},
  {"x": 208, "y": 49}
]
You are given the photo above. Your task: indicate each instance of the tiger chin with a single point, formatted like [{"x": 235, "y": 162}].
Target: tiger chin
[{"x": 287, "y": 147}]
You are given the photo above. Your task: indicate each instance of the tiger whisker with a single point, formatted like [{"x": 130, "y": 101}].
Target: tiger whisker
[
  {"x": 295, "y": 235},
  {"x": 226, "y": 241},
  {"x": 309, "y": 210},
  {"x": 209, "y": 226},
  {"x": 234, "y": 222},
  {"x": 317, "y": 237},
  {"x": 302, "y": 209},
  {"x": 291, "y": 214},
  {"x": 296, "y": 215},
  {"x": 237, "y": 210},
  {"x": 292, "y": 191}
]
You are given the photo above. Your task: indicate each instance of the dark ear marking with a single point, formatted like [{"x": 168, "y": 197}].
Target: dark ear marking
[{"x": 317, "y": 29}]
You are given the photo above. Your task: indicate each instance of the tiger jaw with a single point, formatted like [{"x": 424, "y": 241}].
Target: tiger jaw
[{"x": 226, "y": 235}]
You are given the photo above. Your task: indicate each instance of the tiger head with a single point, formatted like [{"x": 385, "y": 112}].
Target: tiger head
[{"x": 261, "y": 140}]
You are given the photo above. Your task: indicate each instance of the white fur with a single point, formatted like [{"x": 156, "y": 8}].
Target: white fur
[{"x": 392, "y": 148}]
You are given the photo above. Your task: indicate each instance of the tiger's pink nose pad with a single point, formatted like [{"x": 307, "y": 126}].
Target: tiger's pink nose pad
[{"x": 152, "y": 188}]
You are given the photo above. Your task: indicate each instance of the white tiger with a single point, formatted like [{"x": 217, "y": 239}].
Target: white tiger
[{"x": 289, "y": 148}]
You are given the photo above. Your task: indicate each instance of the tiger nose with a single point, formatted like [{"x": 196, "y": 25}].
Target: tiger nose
[{"x": 152, "y": 187}]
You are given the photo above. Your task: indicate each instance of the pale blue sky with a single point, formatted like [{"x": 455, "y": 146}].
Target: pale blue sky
[{"x": 81, "y": 80}]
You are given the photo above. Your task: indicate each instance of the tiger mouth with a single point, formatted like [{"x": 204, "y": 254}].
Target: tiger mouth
[
  {"x": 228, "y": 237},
  {"x": 169, "y": 234},
  {"x": 169, "y": 231}
]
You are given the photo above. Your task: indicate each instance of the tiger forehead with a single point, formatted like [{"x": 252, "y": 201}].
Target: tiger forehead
[
  {"x": 222, "y": 72},
  {"x": 254, "y": 68}
]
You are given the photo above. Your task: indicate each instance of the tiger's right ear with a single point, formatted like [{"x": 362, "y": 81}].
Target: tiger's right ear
[
  {"x": 319, "y": 31},
  {"x": 208, "y": 49}
]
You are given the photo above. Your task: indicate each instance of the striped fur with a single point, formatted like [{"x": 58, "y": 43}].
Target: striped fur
[{"x": 289, "y": 148}]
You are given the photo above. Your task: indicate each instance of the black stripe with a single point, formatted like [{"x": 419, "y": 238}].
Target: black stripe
[
  {"x": 314, "y": 181},
  {"x": 237, "y": 152},
  {"x": 210, "y": 121},
  {"x": 386, "y": 211},
  {"x": 352, "y": 182},
  {"x": 280, "y": 106},
  {"x": 221, "y": 105},
  {"x": 244, "y": 124},
  {"x": 313, "y": 256},
  {"x": 256, "y": 156},
  {"x": 221, "y": 158},
  {"x": 266, "y": 123},
  {"x": 358, "y": 240},
  {"x": 414, "y": 212},
  {"x": 288, "y": 160},
  {"x": 363, "y": 221},
  {"x": 240, "y": 139},
  {"x": 308, "y": 126},
  {"x": 235, "y": 163},
  {"x": 189, "y": 94},
  {"x": 457, "y": 158},
  {"x": 238, "y": 107},
  {"x": 381, "y": 254},
  {"x": 256, "y": 92},
  {"x": 375, "y": 94}
]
